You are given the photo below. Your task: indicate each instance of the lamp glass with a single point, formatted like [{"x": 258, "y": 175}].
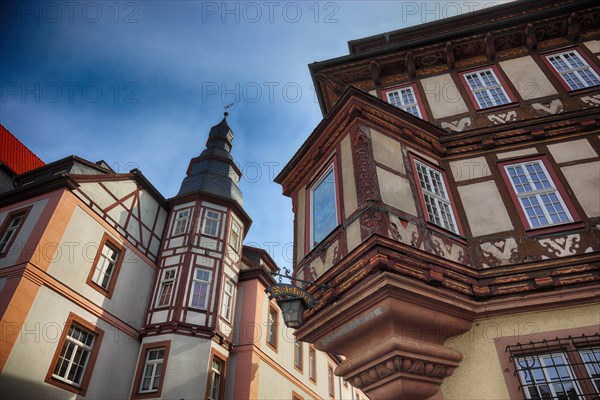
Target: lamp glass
[{"x": 292, "y": 310}]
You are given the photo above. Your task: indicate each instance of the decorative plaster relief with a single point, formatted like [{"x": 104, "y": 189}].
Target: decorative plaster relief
[
  {"x": 561, "y": 246},
  {"x": 457, "y": 126},
  {"x": 324, "y": 260},
  {"x": 499, "y": 253},
  {"x": 503, "y": 118},
  {"x": 553, "y": 107},
  {"x": 448, "y": 249},
  {"x": 593, "y": 100},
  {"x": 405, "y": 232}
]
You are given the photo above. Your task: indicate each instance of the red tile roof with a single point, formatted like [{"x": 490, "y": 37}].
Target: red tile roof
[{"x": 15, "y": 155}]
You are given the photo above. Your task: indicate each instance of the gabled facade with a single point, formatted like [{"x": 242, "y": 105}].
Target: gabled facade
[{"x": 450, "y": 199}]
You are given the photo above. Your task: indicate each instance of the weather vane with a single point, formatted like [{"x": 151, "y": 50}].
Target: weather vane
[{"x": 227, "y": 107}]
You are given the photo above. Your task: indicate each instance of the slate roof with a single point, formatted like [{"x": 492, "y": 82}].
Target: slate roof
[
  {"x": 15, "y": 155},
  {"x": 214, "y": 171}
]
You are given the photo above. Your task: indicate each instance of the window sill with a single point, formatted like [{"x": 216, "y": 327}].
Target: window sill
[
  {"x": 502, "y": 107},
  {"x": 584, "y": 90},
  {"x": 100, "y": 289},
  {"x": 66, "y": 386},
  {"x": 447, "y": 234},
  {"x": 555, "y": 228}
]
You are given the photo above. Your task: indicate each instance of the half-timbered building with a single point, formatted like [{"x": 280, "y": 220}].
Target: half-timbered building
[{"x": 450, "y": 200}]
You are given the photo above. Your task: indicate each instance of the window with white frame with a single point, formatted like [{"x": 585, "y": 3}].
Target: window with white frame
[
  {"x": 166, "y": 287},
  {"x": 235, "y": 235},
  {"x": 486, "y": 88},
  {"x": 105, "y": 265},
  {"x": 181, "y": 221},
  {"x": 323, "y": 207},
  {"x": 435, "y": 197},
  {"x": 404, "y": 98},
  {"x": 227, "y": 306},
  {"x": 574, "y": 69},
  {"x": 200, "y": 288},
  {"x": 538, "y": 196},
  {"x": 547, "y": 376},
  {"x": 10, "y": 229},
  {"x": 215, "y": 379},
  {"x": 211, "y": 223},
  {"x": 152, "y": 370},
  {"x": 312, "y": 364},
  {"x": 74, "y": 355}
]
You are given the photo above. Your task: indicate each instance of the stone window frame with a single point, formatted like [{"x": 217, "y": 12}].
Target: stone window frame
[{"x": 146, "y": 348}]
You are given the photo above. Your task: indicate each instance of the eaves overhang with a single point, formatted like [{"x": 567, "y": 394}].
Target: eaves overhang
[
  {"x": 353, "y": 104},
  {"x": 445, "y": 30}
]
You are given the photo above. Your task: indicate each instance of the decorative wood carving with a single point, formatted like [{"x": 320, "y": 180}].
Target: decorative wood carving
[
  {"x": 490, "y": 49},
  {"x": 530, "y": 38},
  {"x": 409, "y": 61},
  {"x": 573, "y": 27},
  {"x": 374, "y": 67},
  {"x": 449, "y": 53}
]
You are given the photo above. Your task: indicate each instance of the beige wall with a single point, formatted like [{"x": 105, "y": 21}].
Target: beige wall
[
  {"x": 443, "y": 96},
  {"x": 527, "y": 78},
  {"x": 572, "y": 150},
  {"x": 349, "y": 189},
  {"x": 480, "y": 375},
  {"x": 396, "y": 191},
  {"x": 584, "y": 179},
  {"x": 470, "y": 168},
  {"x": 387, "y": 151},
  {"x": 485, "y": 210}
]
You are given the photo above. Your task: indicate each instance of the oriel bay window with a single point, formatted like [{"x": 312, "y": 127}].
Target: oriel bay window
[
  {"x": 181, "y": 222},
  {"x": 200, "y": 289},
  {"x": 75, "y": 356},
  {"x": 107, "y": 264},
  {"x": 324, "y": 207},
  {"x": 573, "y": 69},
  {"x": 541, "y": 201},
  {"x": 166, "y": 287},
  {"x": 435, "y": 198}
]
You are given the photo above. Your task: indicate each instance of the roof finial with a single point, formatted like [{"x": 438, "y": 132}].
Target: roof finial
[{"x": 227, "y": 107}]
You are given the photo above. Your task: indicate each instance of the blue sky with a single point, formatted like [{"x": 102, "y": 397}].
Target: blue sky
[{"x": 140, "y": 83}]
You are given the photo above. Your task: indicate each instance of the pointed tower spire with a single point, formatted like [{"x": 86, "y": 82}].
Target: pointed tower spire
[{"x": 214, "y": 172}]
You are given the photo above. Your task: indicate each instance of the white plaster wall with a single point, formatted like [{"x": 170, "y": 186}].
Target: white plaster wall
[
  {"x": 30, "y": 222},
  {"x": 485, "y": 210},
  {"x": 73, "y": 262},
  {"x": 24, "y": 373},
  {"x": 187, "y": 366},
  {"x": 443, "y": 96},
  {"x": 527, "y": 78}
]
